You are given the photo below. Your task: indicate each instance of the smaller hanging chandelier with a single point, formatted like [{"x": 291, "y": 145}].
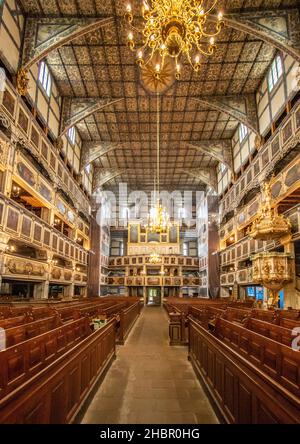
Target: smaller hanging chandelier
[
  {"x": 158, "y": 217},
  {"x": 174, "y": 29}
]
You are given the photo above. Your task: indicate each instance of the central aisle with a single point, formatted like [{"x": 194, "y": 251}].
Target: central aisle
[{"x": 150, "y": 382}]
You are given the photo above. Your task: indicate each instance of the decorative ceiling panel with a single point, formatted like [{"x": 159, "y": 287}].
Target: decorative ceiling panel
[{"x": 99, "y": 64}]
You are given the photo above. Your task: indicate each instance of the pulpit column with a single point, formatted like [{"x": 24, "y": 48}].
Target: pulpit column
[{"x": 291, "y": 299}]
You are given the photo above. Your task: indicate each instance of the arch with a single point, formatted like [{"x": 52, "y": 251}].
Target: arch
[
  {"x": 220, "y": 150},
  {"x": 94, "y": 150},
  {"x": 241, "y": 108},
  {"x": 88, "y": 107},
  {"x": 44, "y": 35},
  {"x": 101, "y": 177},
  {"x": 208, "y": 176},
  {"x": 277, "y": 28}
]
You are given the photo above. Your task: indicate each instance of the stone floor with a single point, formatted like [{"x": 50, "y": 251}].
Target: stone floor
[{"x": 150, "y": 382}]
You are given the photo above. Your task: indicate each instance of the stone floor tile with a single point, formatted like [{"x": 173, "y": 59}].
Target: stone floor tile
[{"x": 150, "y": 382}]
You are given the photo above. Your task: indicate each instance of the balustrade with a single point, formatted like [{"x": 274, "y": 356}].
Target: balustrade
[
  {"x": 21, "y": 224},
  {"x": 286, "y": 137},
  {"x": 14, "y": 113}
]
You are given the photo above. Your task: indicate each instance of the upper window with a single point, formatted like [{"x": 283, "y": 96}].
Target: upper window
[
  {"x": 243, "y": 131},
  {"x": 45, "y": 78},
  {"x": 275, "y": 72},
  {"x": 222, "y": 167},
  {"x": 72, "y": 135}
]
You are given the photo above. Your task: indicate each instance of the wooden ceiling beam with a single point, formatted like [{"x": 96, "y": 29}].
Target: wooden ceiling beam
[
  {"x": 207, "y": 176},
  {"x": 44, "y": 35},
  {"x": 221, "y": 150},
  {"x": 91, "y": 151},
  {"x": 277, "y": 27},
  {"x": 242, "y": 108},
  {"x": 76, "y": 110}
]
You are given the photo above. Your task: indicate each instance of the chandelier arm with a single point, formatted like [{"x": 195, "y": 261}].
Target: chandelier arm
[
  {"x": 208, "y": 52},
  {"x": 175, "y": 28},
  {"x": 206, "y": 34},
  {"x": 134, "y": 28},
  {"x": 150, "y": 57}
]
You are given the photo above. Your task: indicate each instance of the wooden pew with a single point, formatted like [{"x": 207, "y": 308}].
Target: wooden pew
[
  {"x": 8, "y": 312},
  {"x": 112, "y": 310},
  {"x": 19, "y": 363},
  {"x": 5, "y": 312},
  {"x": 41, "y": 312},
  {"x": 76, "y": 311},
  {"x": 234, "y": 314},
  {"x": 57, "y": 393},
  {"x": 279, "y": 361},
  {"x": 273, "y": 331},
  {"x": 127, "y": 316},
  {"x": 284, "y": 318},
  {"x": 19, "y": 334},
  {"x": 243, "y": 392},
  {"x": 204, "y": 315},
  {"x": 13, "y": 322},
  {"x": 241, "y": 304}
]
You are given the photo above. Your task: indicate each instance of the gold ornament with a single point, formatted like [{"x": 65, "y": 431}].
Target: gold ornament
[
  {"x": 269, "y": 225},
  {"x": 272, "y": 270},
  {"x": 22, "y": 82},
  {"x": 173, "y": 29},
  {"x": 59, "y": 144}
]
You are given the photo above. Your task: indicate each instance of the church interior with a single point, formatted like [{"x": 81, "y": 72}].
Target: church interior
[{"x": 149, "y": 212}]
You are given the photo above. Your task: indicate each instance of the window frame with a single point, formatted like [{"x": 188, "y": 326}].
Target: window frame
[
  {"x": 45, "y": 78},
  {"x": 223, "y": 168},
  {"x": 71, "y": 134},
  {"x": 275, "y": 73},
  {"x": 243, "y": 133}
]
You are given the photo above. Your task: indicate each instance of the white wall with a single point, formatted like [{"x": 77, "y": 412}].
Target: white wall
[
  {"x": 11, "y": 34},
  {"x": 270, "y": 105},
  {"x": 48, "y": 108}
]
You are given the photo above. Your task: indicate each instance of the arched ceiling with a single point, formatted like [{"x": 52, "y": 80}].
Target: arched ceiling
[{"x": 98, "y": 65}]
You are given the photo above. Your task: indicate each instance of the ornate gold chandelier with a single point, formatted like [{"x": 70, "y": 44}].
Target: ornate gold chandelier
[
  {"x": 158, "y": 217},
  {"x": 175, "y": 28}
]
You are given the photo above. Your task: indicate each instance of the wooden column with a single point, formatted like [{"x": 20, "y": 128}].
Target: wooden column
[
  {"x": 94, "y": 259},
  {"x": 213, "y": 268}
]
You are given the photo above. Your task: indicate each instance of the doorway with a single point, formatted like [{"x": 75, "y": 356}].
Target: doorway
[{"x": 153, "y": 296}]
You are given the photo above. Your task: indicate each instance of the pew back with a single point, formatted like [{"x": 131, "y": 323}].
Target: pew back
[
  {"x": 19, "y": 363},
  {"x": 279, "y": 361}
]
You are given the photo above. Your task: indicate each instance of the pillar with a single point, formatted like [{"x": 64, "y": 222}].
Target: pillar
[
  {"x": 291, "y": 298},
  {"x": 94, "y": 278},
  {"x": 69, "y": 291},
  {"x": 9, "y": 154},
  {"x": 4, "y": 239},
  {"x": 41, "y": 290}
]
